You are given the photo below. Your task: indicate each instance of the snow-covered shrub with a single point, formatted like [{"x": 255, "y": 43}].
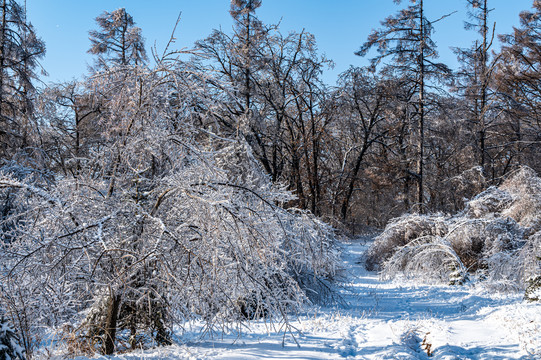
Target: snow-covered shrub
[
  {"x": 533, "y": 291},
  {"x": 9, "y": 346},
  {"x": 491, "y": 201},
  {"x": 529, "y": 258},
  {"x": 400, "y": 232},
  {"x": 496, "y": 236},
  {"x": 475, "y": 240},
  {"x": 430, "y": 257},
  {"x": 525, "y": 187},
  {"x": 502, "y": 235},
  {"x": 466, "y": 237}
]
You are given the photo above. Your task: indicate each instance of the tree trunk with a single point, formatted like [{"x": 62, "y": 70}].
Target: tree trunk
[
  {"x": 484, "y": 85},
  {"x": 110, "y": 324},
  {"x": 2, "y": 56},
  {"x": 353, "y": 179},
  {"x": 420, "y": 145}
]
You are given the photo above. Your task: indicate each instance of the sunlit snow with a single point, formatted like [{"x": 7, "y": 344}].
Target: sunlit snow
[{"x": 382, "y": 320}]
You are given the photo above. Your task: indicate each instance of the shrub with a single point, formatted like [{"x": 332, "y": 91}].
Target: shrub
[
  {"x": 524, "y": 185},
  {"x": 489, "y": 202},
  {"x": 533, "y": 291},
  {"x": 431, "y": 257},
  {"x": 400, "y": 232},
  {"x": 497, "y": 236}
]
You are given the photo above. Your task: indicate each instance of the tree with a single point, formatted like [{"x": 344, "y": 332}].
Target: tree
[
  {"x": 9, "y": 348},
  {"x": 518, "y": 79},
  {"x": 248, "y": 31},
  {"x": 274, "y": 98},
  {"x": 71, "y": 112},
  {"x": 237, "y": 59},
  {"x": 405, "y": 38},
  {"x": 291, "y": 131},
  {"x": 363, "y": 97},
  {"x": 20, "y": 51},
  {"x": 118, "y": 41},
  {"x": 474, "y": 79}
]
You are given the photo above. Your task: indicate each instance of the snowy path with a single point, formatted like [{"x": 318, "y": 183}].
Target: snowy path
[
  {"x": 384, "y": 320},
  {"x": 456, "y": 322}
]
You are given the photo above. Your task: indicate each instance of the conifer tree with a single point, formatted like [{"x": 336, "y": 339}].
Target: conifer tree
[
  {"x": 20, "y": 51},
  {"x": 118, "y": 41},
  {"x": 247, "y": 28},
  {"x": 474, "y": 77},
  {"x": 405, "y": 39},
  {"x": 9, "y": 349}
]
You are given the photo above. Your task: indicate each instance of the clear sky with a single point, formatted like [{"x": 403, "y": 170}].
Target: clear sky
[{"x": 340, "y": 26}]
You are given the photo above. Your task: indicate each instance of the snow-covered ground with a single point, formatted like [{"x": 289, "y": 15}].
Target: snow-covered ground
[{"x": 383, "y": 320}]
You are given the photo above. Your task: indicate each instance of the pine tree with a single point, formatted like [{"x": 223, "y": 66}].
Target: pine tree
[
  {"x": 405, "y": 39},
  {"x": 9, "y": 348},
  {"x": 20, "y": 51},
  {"x": 239, "y": 58},
  {"x": 118, "y": 41},
  {"x": 248, "y": 28}
]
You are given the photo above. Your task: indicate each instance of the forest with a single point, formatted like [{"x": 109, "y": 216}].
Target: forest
[{"x": 216, "y": 183}]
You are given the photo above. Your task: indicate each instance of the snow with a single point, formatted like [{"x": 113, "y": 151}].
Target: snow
[{"x": 382, "y": 320}]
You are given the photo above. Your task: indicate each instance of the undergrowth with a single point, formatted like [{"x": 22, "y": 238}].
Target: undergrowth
[{"x": 497, "y": 238}]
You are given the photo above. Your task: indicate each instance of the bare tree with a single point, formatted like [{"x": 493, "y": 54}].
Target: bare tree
[
  {"x": 71, "y": 112},
  {"x": 363, "y": 98},
  {"x": 275, "y": 98},
  {"x": 474, "y": 79}
]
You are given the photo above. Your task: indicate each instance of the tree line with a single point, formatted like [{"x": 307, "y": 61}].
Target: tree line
[
  {"x": 406, "y": 133},
  {"x": 203, "y": 167}
]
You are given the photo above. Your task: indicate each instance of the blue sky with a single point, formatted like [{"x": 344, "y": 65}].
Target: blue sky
[{"x": 340, "y": 26}]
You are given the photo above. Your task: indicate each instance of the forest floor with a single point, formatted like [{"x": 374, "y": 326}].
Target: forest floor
[{"x": 382, "y": 320}]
